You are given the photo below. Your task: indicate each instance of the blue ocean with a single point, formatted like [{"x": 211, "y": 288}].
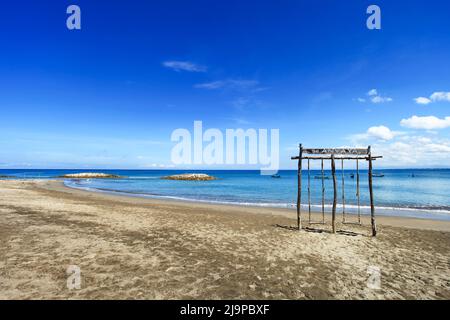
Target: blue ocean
[{"x": 423, "y": 193}]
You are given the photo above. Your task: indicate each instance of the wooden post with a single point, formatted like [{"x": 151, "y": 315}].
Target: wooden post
[
  {"x": 323, "y": 196},
  {"x": 333, "y": 214},
  {"x": 309, "y": 193},
  {"x": 372, "y": 206},
  {"x": 299, "y": 189},
  {"x": 357, "y": 191},
  {"x": 343, "y": 191}
]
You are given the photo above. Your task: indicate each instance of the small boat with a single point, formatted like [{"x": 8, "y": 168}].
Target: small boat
[
  {"x": 378, "y": 175},
  {"x": 320, "y": 177},
  {"x": 276, "y": 176},
  {"x": 352, "y": 176}
]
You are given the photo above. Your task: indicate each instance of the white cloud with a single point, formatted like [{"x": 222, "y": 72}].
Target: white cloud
[
  {"x": 424, "y": 140},
  {"x": 210, "y": 85},
  {"x": 440, "y": 96},
  {"x": 380, "y": 99},
  {"x": 415, "y": 151},
  {"x": 381, "y": 132},
  {"x": 408, "y": 150},
  {"x": 184, "y": 66},
  {"x": 422, "y": 100},
  {"x": 229, "y": 83},
  {"x": 438, "y": 148},
  {"x": 435, "y": 97},
  {"x": 157, "y": 165},
  {"x": 427, "y": 123},
  {"x": 375, "y": 97}
]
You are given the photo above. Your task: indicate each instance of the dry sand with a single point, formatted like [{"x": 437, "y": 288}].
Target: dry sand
[{"x": 132, "y": 248}]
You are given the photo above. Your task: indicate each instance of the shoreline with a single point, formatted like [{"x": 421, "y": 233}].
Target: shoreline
[
  {"x": 136, "y": 248},
  {"x": 292, "y": 206},
  {"x": 392, "y": 220},
  {"x": 397, "y": 221},
  {"x": 394, "y": 205}
]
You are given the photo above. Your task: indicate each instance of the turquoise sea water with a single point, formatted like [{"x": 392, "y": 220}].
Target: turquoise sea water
[{"x": 421, "y": 193}]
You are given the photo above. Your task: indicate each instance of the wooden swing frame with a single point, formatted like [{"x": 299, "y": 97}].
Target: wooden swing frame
[{"x": 333, "y": 155}]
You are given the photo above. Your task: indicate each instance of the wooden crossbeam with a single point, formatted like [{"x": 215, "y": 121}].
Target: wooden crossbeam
[
  {"x": 337, "y": 158},
  {"x": 336, "y": 151}
]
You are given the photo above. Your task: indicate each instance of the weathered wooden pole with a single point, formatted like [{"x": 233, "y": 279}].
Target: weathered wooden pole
[
  {"x": 333, "y": 213},
  {"x": 343, "y": 191},
  {"x": 309, "y": 193},
  {"x": 299, "y": 189},
  {"x": 357, "y": 191},
  {"x": 372, "y": 206},
  {"x": 323, "y": 195}
]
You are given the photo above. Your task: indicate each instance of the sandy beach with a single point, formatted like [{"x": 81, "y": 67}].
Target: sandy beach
[{"x": 134, "y": 248}]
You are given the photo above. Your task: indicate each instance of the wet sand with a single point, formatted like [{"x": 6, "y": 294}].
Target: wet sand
[{"x": 134, "y": 248}]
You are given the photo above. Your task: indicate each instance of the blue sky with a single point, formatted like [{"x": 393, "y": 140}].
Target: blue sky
[{"x": 110, "y": 95}]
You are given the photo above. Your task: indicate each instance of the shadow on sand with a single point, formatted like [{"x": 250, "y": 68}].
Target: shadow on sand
[{"x": 318, "y": 230}]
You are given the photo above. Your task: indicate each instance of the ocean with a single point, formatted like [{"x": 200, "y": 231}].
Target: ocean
[{"x": 421, "y": 193}]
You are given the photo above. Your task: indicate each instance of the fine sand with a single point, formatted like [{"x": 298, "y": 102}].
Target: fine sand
[{"x": 133, "y": 248}]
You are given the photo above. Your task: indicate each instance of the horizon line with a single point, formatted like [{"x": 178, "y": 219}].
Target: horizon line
[{"x": 197, "y": 169}]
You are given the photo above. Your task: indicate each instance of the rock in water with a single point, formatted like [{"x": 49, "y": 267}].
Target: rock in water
[{"x": 191, "y": 177}]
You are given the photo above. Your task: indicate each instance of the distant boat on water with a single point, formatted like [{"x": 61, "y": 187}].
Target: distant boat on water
[
  {"x": 320, "y": 177},
  {"x": 378, "y": 175},
  {"x": 276, "y": 176}
]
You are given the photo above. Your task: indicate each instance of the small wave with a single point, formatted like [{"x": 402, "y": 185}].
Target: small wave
[
  {"x": 159, "y": 196},
  {"x": 437, "y": 209}
]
